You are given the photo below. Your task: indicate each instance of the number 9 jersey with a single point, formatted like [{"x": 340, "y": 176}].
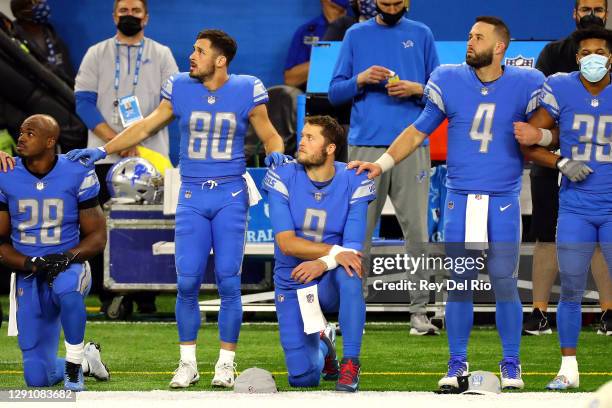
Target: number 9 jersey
[
  {"x": 44, "y": 209},
  {"x": 483, "y": 154},
  {"x": 213, "y": 124},
  {"x": 585, "y": 123}
]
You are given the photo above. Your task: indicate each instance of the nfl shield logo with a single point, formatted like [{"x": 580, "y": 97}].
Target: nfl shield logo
[
  {"x": 281, "y": 298},
  {"x": 212, "y": 99},
  {"x": 40, "y": 185},
  {"x": 478, "y": 197},
  {"x": 520, "y": 62},
  {"x": 594, "y": 103},
  {"x": 310, "y": 298},
  {"x": 187, "y": 194},
  {"x": 318, "y": 196},
  {"x": 451, "y": 205},
  {"x": 477, "y": 380}
]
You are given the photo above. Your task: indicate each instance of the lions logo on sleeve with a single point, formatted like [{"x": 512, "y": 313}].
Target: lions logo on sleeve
[
  {"x": 362, "y": 189},
  {"x": 277, "y": 180},
  {"x": 90, "y": 187},
  {"x": 166, "y": 91}
]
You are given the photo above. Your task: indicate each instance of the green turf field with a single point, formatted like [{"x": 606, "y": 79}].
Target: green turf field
[{"x": 142, "y": 356}]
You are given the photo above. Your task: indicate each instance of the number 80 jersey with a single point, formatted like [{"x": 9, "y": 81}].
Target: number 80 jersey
[
  {"x": 213, "y": 125},
  {"x": 483, "y": 154}
]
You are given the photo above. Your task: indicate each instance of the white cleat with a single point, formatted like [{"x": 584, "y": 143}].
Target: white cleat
[
  {"x": 185, "y": 375},
  {"x": 562, "y": 382},
  {"x": 96, "y": 368},
  {"x": 456, "y": 368},
  {"x": 225, "y": 373}
]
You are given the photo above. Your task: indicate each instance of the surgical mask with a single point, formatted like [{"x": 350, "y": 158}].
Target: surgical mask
[
  {"x": 594, "y": 67},
  {"x": 390, "y": 19},
  {"x": 367, "y": 8},
  {"x": 129, "y": 25},
  {"x": 590, "y": 20},
  {"x": 41, "y": 12}
]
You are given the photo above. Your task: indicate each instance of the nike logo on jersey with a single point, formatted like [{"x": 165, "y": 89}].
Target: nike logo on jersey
[
  {"x": 502, "y": 209},
  {"x": 236, "y": 193}
]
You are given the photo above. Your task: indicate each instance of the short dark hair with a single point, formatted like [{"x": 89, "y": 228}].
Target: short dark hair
[
  {"x": 144, "y": 4},
  {"x": 500, "y": 27},
  {"x": 598, "y": 33},
  {"x": 578, "y": 4},
  {"x": 221, "y": 42},
  {"x": 332, "y": 131}
]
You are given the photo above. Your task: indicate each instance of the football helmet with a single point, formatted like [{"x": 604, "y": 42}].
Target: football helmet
[{"x": 135, "y": 180}]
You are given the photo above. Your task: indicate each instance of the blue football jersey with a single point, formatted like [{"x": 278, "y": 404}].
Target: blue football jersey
[
  {"x": 213, "y": 125},
  {"x": 318, "y": 214},
  {"x": 585, "y": 124},
  {"x": 483, "y": 154},
  {"x": 45, "y": 211}
]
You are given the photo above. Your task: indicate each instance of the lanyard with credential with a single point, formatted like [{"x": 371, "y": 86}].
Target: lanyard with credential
[{"x": 118, "y": 70}]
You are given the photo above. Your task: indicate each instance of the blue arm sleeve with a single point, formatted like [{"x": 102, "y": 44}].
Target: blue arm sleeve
[
  {"x": 87, "y": 110},
  {"x": 355, "y": 228},
  {"x": 280, "y": 214},
  {"x": 429, "y": 119},
  {"x": 343, "y": 87}
]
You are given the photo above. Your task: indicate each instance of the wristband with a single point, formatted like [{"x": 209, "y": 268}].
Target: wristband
[
  {"x": 386, "y": 162},
  {"x": 330, "y": 259},
  {"x": 546, "y": 139}
]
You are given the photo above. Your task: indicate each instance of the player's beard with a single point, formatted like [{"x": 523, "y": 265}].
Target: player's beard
[
  {"x": 316, "y": 160},
  {"x": 481, "y": 60},
  {"x": 204, "y": 74}
]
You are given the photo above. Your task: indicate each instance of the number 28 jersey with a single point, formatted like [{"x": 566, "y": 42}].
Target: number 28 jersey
[
  {"x": 213, "y": 125},
  {"x": 483, "y": 154}
]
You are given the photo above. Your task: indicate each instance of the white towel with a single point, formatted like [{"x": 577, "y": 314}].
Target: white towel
[
  {"x": 476, "y": 217},
  {"x": 308, "y": 299},
  {"x": 254, "y": 195},
  {"x": 12, "y": 323}
]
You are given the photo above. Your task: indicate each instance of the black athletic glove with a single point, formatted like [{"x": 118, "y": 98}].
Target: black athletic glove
[
  {"x": 54, "y": 264},
  {"x": 34, "y": 264}
]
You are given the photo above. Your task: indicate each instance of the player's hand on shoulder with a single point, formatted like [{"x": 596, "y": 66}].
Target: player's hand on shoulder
[
  {"x": 576, "y": 171},
  {"x": 276, "y": 159},
  {"x": 86, "y": 156},
  {"x": 526, "y": 134},
  {"x": 6, "y": 162},
  {"x": 373, "y": 75},
  {"x": 350, "y": 261},
  {"x": 308, "y": 271},
  {"x": 374, "y": 170}
]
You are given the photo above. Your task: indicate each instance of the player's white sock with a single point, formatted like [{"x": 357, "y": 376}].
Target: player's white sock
[
  {"x": 188, "y": 353},
  {"x": 226, "y": 356},
  {"x": 569, "y": 368},
  {"x": 75, "y": 352}
]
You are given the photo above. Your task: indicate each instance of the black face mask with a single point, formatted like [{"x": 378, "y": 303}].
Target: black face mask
[
  {"x": 590, "y": 21},
  {"x": 129, "y": 25},
  {"x": 388, "y": 18}
]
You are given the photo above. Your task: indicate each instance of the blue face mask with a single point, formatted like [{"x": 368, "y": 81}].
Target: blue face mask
[
  {"x": 41, "y": 12},
  {"x": 367, "y": 8},
  {"x": 594, "y": 67}
]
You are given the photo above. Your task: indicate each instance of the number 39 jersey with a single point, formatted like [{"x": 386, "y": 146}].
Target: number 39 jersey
[
  {"x": 213, "y": 125},
  {"x": 483, "y": 154},
  {"x": 44, "y": 211},
  {"x": 585, "y": 124}
]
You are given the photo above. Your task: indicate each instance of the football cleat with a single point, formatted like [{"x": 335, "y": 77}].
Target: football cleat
[
  {"x": 185, "y": 375},
  {"x": 73, "y": 377},
  {"x": 605, "y": 326},
  {"x": 225, "y": 373},
  {"x": 331, "y": 368},
  {"x": 510, "y": 370},
  {"x": 348, "y": 380},
  {"x": 561, "y": 382},
  {"x": 95, "y": 366},
  {"x": 457, "y": 367},
  {"x": 421, "y": 326},
  {"x": 536, "y": 324}
]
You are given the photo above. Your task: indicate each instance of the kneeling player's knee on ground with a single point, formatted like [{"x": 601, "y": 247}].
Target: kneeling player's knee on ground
[
  {"x": 35, "y": 372},
  {"x": 188, "y": 287},
  {"x": 310, "y": 379},
  {"x": 302, "y": 373}
]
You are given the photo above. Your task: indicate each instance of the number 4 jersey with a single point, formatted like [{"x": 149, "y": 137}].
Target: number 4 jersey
[
  {"x": 585, "y": 123},
  {"x": 483, "y": 154},
  {"x": 44, "y": 209},
  {"x": 213, "y": 125}
]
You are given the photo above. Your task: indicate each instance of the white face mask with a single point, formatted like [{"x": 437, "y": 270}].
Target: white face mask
[{"x": 594, "y": 67}]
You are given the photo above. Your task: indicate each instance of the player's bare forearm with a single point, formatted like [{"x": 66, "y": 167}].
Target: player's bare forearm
[
  {"x": 265, "y": 130},
  {"x": 93, "y": 232},
  {"x": 301, "y": 248},
  {"x": 406, "y": 143},
  {"x": 9, "y": 256},
  {"x": 540, "y": 156},
  {"x": 297, "y": 75},
  {"x": 142, "y": 129}
]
